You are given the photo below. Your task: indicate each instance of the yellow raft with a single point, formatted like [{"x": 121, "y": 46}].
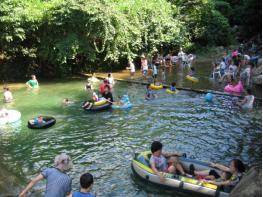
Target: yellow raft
[
  {"x": 192, "y": 79},
  {"x": 155, "y": 87},
  {"x": 172, "y": 92},
  {"x": 99, "y": 103}
]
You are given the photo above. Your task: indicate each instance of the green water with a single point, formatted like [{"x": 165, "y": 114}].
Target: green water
[{"x": 104, "y": 143}]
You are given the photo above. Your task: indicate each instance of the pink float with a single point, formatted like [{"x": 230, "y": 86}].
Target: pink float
[{"x": 238, "y": 89}]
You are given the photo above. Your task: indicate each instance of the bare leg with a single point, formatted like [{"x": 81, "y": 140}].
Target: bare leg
[{"x": 202, "y": 173}]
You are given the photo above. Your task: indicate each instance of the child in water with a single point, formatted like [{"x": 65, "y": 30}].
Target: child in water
[
  {"x": 172, "y": 87},
  {"x": 191, "y": 71},
  {"x": 119, "y": 101},
  {"x": 247, "y": 102},
  {"x": 149, "y": 94},
  {"x": 163, "y": 75},
  {"x": 86, "y": 183},
  {"x": 37, "y": 121},
  {"x": 66, "y": 101}
]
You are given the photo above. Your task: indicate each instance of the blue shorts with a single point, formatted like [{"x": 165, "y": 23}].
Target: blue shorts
[{"x": 144, "y": 72}]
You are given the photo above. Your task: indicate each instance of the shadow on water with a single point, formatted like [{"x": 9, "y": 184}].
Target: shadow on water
[{"x": 104, "y": 143}]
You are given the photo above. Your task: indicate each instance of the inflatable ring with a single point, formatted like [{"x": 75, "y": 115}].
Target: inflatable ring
[
  {"x": 155, "y": 87},
  {"x": 95, "y": 108},
  {"x": 13, "y": 116},
  {"x": 99, "y": 103},
  {"x": 192, "y": 79},
  {"x": 141, "y": 167},
  {"x": 49, "y": 121},
  {"x": 172, "y": 92}
]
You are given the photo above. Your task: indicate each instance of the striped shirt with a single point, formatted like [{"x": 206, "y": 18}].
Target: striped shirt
[{"x": 58, "y": 183}]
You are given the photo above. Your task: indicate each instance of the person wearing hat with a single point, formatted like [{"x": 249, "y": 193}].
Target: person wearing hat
[
  {"x": 58, "y": 183},
  {"x": 144, "y": 66}
]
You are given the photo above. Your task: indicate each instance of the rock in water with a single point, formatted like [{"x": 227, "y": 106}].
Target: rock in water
[{"x": 250, "y": 185}]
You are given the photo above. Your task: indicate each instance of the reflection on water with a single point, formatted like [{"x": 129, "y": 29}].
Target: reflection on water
[{"x": 104, "y": 143}]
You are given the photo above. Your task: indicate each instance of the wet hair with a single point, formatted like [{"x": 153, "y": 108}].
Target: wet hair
[
  {"x": 64, "y": 160},
  {"x": 192, "y": 69},
  {"x": 86, "y": 180},
  {"x": 66, "y": 99},
  {"x": 227, "y": 175},
  {"x": 156, "y": 145},
  {"x": 238, "y": 164},
  {"x": 249, "y": 91},
  {"x": 109, "y": 75},
  {"x": 173, "y": 84}
]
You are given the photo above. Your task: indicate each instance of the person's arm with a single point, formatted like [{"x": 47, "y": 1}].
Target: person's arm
[
  {"x": 28, "y": 85},
  {"x": 31, "y": 184},
  {"x": 157, "y": 172},
  {"x": 220, "y": 167}
]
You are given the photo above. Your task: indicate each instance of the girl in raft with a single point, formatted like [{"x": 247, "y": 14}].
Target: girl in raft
[
  {"x": 236, "y": 168},
  {"x": 33, "y": 83},
  {"x": 247, "y": 102}
]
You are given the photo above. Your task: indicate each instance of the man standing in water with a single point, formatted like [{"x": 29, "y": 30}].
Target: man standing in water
[{"x": 58, "y": 182}]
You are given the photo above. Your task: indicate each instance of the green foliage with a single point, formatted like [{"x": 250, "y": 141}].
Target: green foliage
[{"x": 62, "y": 37}]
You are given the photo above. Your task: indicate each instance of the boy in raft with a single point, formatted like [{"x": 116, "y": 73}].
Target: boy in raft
[
  {"x": 86, "y": 183},
  {"x": 165, "y": 162},
  {"x": 172, "y": 87},
  {"x": 247, "y": 102},
  {"x": 33, "y": 83},
  {"x": 37, "y": 121}
]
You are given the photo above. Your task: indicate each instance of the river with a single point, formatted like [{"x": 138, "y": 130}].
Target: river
[{"x": 104, "y": 143}]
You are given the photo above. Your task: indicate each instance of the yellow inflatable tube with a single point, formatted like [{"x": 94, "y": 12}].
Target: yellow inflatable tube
[
  {"x": 155, "y": 87},
  {"x": 192, "y": 79},
  {"x": 99, "y": 103},
  {"x": 172, "y": 92}
]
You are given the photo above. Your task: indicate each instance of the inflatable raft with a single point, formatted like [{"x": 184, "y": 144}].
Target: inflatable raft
[
  {"x": 49, "y": 121},
  {"x": 140, "y": 166},
  {"x": 12, "y": 116},
  {"x": 238, "y": 89},
  {"x": 155, "y": 87},
  {"x": 95, "y": 107},
  {"x": 192, "y": 79},
  {"x": 172, "y": 92}
]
